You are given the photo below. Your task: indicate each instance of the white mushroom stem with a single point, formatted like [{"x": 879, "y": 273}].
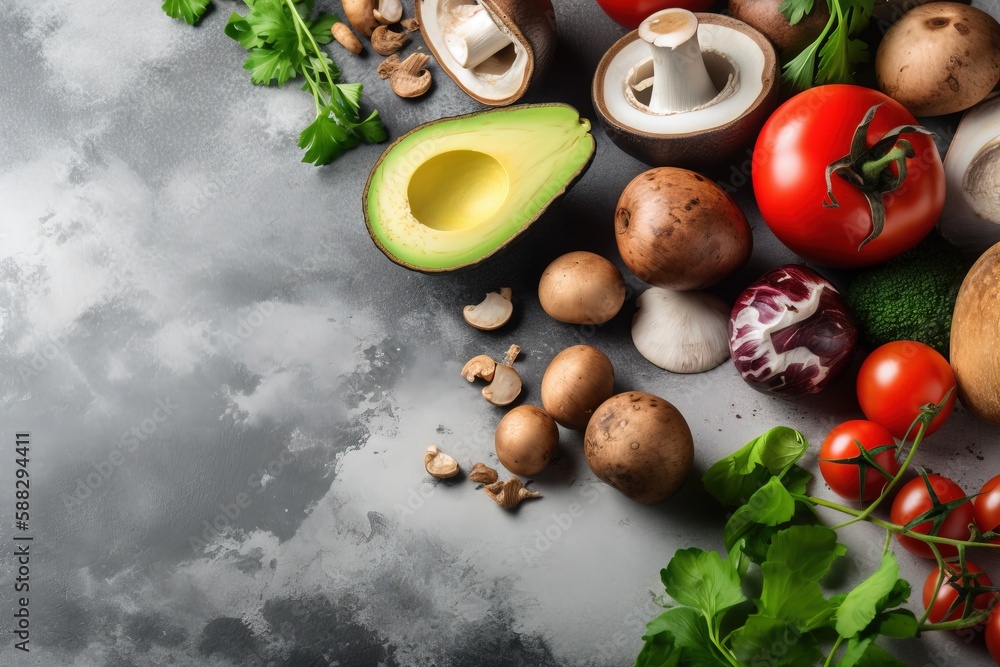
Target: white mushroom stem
[
  {"x": 389, "y": 11},
  {"x": 475, "y": 38},
  {"x": 680, "y": 79}
]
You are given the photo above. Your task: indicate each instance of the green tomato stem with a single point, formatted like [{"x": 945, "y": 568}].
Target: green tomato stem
[{"x": 871, "y": 171}]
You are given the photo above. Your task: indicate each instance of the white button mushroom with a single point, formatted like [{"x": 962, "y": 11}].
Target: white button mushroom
[{"x": 682, "y": 332}]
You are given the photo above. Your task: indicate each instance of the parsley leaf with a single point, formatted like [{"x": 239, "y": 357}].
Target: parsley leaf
[
  {"x": 869, "y": 597},
  {"x": 703, "y": 580},
  {"x": 266, "y": 65},
  {"x": 773, "y": 642},
  {"x": 689, "y": 632},
  {"x": 188, "y": 11},
  {"x": 837, "y": 47},
  {"x": 735, "y": 478}
]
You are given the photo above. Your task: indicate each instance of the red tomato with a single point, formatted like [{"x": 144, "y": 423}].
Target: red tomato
[
  {"x": 986, "y": 507},
  {"x": 630, "y": 13},
  {"x": 898, "y": 379},
  {"x": 950, "y": 591},
  {"x": 806, "y": 135},
  {"x": 913, "y": 500},
  {"x": 842, "y": 443}
]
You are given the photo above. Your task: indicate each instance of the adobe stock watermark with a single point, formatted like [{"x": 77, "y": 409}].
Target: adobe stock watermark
[
  {"x": 126, "y": 444},
  {"x": 230, "y": 512}
]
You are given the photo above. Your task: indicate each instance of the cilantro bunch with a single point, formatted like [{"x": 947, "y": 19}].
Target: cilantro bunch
[
  {"x": 838, "y": 48},
  {"x": 283, "y": 39},
  {"x": 764, "y": 602}
]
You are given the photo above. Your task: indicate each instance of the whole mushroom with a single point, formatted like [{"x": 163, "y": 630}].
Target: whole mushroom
[
  {"x": 575, "y": 383},
  {"x": 526, "y": 440},
  {"x": 581, "y": 288}
]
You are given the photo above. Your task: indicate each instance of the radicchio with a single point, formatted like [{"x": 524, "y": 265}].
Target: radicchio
[{"x": 791, "y": 332}]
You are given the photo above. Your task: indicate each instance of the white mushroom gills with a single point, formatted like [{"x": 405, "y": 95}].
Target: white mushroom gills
[
  {"x": 680, "y": 79},
  {"x": 475, "y": 38}
]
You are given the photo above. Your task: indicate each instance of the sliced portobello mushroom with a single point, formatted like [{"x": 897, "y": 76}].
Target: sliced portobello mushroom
[
  {"x": 686, "y": 90},
  {"x": 493, "y": 49}
]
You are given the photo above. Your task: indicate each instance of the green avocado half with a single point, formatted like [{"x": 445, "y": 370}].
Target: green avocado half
[{"x": 450, "y": 193}]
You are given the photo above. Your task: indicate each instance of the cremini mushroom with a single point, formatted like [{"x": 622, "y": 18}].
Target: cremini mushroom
[
  {"x": 509, "y": 494},
  {"x": 505, "y": 382},
  {"x": 411, "y": 78},
  {"x": 438, "y": 464},
  {"x": 386, "y": 42},
  {"x": 492, "y": 312},
  {"x": 682, "y": 332},
  {"x": 483, "y": 474},
  {"x": 388, "y": 11},
  {"x": 346, "y": 38},
  {"x": 361, "y": 15},
  {"x": 688, "y": 90},
  {"x": 480, "y": 366}
]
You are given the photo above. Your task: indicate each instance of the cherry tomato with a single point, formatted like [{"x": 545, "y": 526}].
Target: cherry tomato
[
  {"x": 986, "y": 508},
  {"x": 811, "y": 132},
  {"x": 950, "y": 591},
  {"x": 913, "y": 500},
  {"x": 993, "y": 634},
  {"x": 898, "y": 379},
  {"x": 630, "y": 13},
  {"x": 842, "y": 443}
]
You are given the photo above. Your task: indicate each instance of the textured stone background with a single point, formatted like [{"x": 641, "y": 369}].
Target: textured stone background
[{"x": 170, "y": 266}]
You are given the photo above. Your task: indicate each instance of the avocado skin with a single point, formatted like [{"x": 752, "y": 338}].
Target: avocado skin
[{"x": 573, "y": 178}]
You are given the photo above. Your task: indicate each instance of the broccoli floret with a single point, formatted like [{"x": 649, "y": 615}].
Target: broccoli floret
[{"x": 911, "y": 297}]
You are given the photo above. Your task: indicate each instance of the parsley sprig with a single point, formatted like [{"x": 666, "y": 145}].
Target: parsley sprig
[
  {"x": 838, "y": 48},
  {"x": 283, "y": 38},
  {"x": 762, "y": 601}
]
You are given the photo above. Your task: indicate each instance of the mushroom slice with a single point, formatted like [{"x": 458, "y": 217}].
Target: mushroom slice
[
  {"x": 506, "y": 386},
  {"x": 438, "y": 464},
  {"x": 388, "y": 11},
  {"x": 385, "y": 42},
  {"x": 723, "y": 87},
  {"x": 479, "y": 367},
  {"x": 493, "y": 49},
  {"x": 682, "y": 332},
  {"x": 483, "y": 474},
  {"x": 492, "y": 312},
  {"x": 509, "y": 494},
  {"x": 411, "y": 79}
]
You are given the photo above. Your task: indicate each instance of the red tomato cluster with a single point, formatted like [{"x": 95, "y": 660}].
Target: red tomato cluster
[{"x": 858, "y": 459}]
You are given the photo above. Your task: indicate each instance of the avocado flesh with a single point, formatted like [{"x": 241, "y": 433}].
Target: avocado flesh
[{"x": 453, "y": 192}]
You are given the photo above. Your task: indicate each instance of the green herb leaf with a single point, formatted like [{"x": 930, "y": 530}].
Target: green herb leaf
[
  {"x": 876, "y": 656},
  {"x": 321, "y": 26},
  {"x": 324, "y": 140},
  {"x": 809, "y": 551},
  {"x": 688, "y": 630},
  {"x": 837, "y": 46},
  {"x": 868, "y": 598},
  {"x": 771, "y": 504},
  {"x": 703, "y": 580},
  {"x": 188, "y": 11},
  {"x": 795, "y": 10},
  {"x": 239, "y": 28},
  {"x": 266, "y": 65},
  {"x": 734, "y": 479},
  {"x": 898, "y": 623},
  {"x": 774, "y": 642},
  {"x": 658, "y": 651}
]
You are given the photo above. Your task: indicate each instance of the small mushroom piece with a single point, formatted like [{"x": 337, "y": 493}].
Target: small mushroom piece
[
  {"x": 388, "y": 66},
  {"x": 388, "y": 11},
  {"x": 346, "y": 38},
  {"x": 361, "y": 15},
  {"x": 438, "y": 464},
  {"x": 682, "y": 332},
  {"x": 509, "y": 494},
  {"x": 506, "y": 386},
  {"x": 492, "y": 312},
  {"x": 410, "y": 25},
  {"x": 411, "y": 79},
  {"x": 483, "y": 474},
  {"x": 512, "y": 352},
  {"x": 479, "y": 367},
  {"x": 386, "y": 42}
]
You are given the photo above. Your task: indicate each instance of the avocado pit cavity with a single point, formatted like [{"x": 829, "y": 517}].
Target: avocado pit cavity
[{"x": 441, "y": 201}]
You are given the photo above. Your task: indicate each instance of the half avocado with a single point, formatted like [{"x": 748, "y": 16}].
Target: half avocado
[{"x": 451, "y": 193}]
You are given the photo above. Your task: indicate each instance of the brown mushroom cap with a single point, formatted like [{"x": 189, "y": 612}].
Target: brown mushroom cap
[
  {"x": 764, "y": 15},
  {"x": 940, "y": 58},
  {"x": 694, "y": 150},
  {"x": 581, "y": 287},
  {"x": 529, "y": 23}
]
